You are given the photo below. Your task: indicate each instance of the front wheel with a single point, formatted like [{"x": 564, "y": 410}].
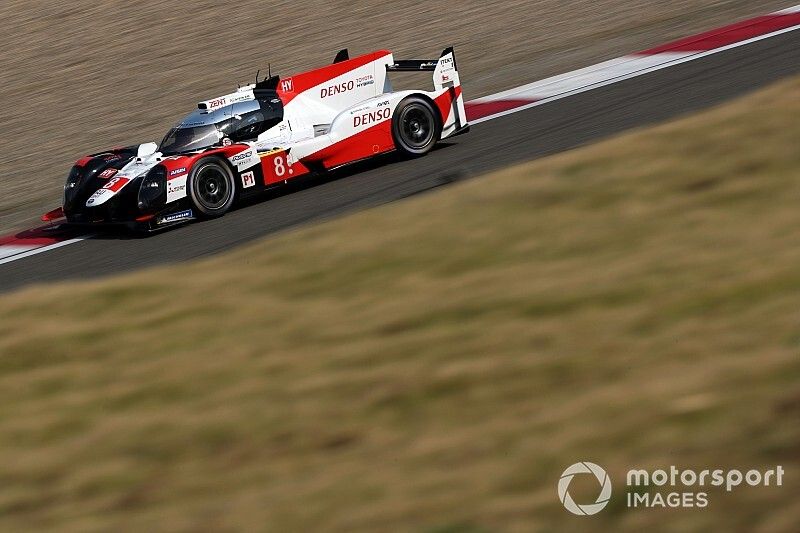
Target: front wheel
[
  {"x": 415, "y": 126},
  {"x": 211, "y": 187}
]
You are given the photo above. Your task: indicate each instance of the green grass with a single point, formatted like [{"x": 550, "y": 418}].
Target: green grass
[{"x": 435, "y": 364}]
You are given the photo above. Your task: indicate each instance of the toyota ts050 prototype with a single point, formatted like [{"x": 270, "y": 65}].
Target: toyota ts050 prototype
[{"x": 264, "y": 135}]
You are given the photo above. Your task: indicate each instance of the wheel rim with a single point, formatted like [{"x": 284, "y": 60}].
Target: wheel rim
[
  {"x": 416, "y": 126},
  {"x": 213, "y": 188}
]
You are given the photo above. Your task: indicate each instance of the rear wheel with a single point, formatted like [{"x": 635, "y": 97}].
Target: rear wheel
[
  {"x": 415, "y": 126},
  {"x": 212, "y": 187}
]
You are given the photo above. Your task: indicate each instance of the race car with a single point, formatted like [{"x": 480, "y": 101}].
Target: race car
[{"x": 264, "y": 135}]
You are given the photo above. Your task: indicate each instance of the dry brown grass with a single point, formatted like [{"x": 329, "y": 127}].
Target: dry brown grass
[
  {"x": 78, "y": 77},
  {"x": 434, "y": 365}
]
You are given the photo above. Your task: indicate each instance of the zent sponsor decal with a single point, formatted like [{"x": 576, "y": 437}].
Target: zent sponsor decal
[
  {"x": 107, "y": 173},
  {"x": 371, "y": 117},
  {"x": 248, "y": 179},
  {"x": 216, "y": 103}
]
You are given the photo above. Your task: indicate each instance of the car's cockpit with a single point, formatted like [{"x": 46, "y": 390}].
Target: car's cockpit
[{"x": 239, "y": 117}]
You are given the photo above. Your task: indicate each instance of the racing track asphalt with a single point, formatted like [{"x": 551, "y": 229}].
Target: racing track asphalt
[{"x": 529, "y": 134}]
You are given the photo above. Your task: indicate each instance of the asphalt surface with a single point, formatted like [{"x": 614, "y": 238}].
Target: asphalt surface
[{"x": 536, "y": 132}]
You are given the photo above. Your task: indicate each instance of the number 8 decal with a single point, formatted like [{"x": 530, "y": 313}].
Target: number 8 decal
[{"x": 280, "y": 167}]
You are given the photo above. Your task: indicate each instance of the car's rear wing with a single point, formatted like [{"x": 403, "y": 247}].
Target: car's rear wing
[
  {"x": 412, "y": 65},
  {"x": 445, "y": 69}
]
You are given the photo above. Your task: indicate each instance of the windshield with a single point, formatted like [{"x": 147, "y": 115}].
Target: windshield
[
  {"x": 204, "y": 129},
  {"x": 187, "y": 139}
]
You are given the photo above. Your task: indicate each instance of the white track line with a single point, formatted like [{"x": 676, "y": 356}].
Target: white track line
[
  {"x": 616, "y": 79},
  {"x": 43, "y": 249},
  {"x": 8, "y": 250},
  {"x": 584, "y": 77}
]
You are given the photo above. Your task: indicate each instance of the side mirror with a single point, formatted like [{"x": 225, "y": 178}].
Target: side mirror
[{"x": 146, "y": 149}]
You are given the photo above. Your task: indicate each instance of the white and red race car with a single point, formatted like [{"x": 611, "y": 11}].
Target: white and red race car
[{"x": 264, "y": 135}]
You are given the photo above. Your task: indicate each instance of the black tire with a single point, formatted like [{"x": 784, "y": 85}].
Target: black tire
[
  {"x": 415, "y": 126},
  {"x": 212, "y": 187}
]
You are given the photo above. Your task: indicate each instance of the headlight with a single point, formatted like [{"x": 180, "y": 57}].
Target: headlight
[
  {"x": 153, "y": 189},
  {"x": 73, "y": 182}
]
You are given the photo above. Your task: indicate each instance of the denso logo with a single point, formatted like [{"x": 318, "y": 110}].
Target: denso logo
[
  {"x": 336, "y": 89},
  {"x": 372, "y": 116}
]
